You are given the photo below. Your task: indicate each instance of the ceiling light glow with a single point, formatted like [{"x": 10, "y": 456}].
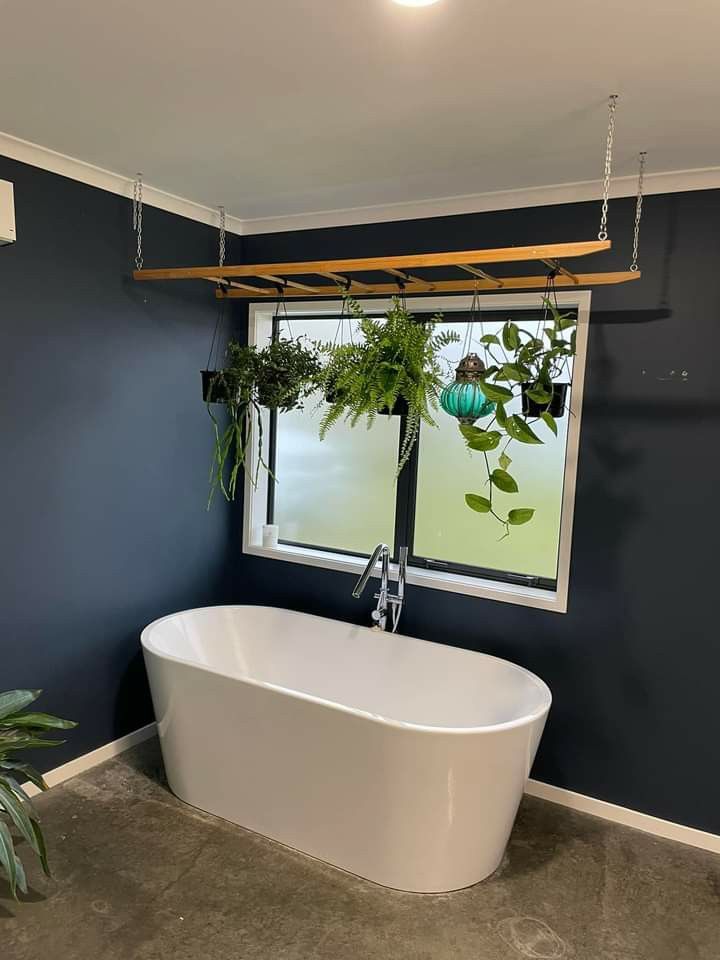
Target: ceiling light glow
[{"x": 415, "y": 3}]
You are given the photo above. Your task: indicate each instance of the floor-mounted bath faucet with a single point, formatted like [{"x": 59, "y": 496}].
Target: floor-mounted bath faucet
[{"x": 385, "y": 599}]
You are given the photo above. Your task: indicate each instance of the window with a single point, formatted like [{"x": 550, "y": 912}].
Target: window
[
  {"x": 335, "y": 499},
  {"x": 335, "y": 493},
  {"x": 447, "y": 534}
]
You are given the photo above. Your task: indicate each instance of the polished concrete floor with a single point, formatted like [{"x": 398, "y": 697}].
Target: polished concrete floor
[{"x": 140, "y": 876}]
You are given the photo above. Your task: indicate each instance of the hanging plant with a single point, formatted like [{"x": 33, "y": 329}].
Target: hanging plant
[
  {"x": 555, "y": 406},
  {"x": 547, "y": 359},
  {"x": 213, "y": 388},
  {"x": 234, "y": 387},
  {"x": 395, "y": 369},
  {"x": 278, "y": 377},
  {"x": 287, "y": 374},
  {"x": 526, "y": 365}
]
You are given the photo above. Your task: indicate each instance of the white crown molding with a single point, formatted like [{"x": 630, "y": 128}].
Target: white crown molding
[
  {"x": 677, "y": 181},
  {"x": 37, "y": 156},
  {"x": 534, "y": 788}
]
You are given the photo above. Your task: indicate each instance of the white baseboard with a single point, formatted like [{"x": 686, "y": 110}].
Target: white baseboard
[
  {"x": 629, "y": 818},
  {"x": 92, "y": 759},
  {"x": 545, "y": 791}
]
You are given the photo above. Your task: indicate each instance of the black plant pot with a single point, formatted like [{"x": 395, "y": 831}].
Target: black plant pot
[
  {"x": 556, "y": 407},
  {"x": 399, "y": 409},
  {"x": 332, "y": 396},
  {"x": 214, "y": 387},
  {"x": 291, "y": 402}
]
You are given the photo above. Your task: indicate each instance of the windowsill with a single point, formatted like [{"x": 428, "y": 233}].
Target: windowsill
[{"x": 420, "y": 577}]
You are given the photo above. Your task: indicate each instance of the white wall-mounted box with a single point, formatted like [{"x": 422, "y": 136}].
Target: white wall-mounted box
[{"x": 7, "y": 213}]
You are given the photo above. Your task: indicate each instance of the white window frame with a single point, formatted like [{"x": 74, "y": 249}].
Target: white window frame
[{"x": 256, "y": 499}]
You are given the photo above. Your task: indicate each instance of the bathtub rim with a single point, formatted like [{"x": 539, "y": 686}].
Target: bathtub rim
[{"x": 526, "y": 720}]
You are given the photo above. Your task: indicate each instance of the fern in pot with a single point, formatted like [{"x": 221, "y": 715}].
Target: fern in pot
[
  {"x": 395, "y": 368},
  {"x": 21, "y": 731}
]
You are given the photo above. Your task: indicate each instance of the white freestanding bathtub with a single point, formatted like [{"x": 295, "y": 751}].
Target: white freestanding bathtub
[{"x": 398, "y": 760}]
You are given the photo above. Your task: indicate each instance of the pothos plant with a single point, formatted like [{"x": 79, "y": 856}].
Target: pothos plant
[
  {"x": 397, "y": 360},
  {"x": 279, "y": 377},
  {"x": 520, "y": 362},
  {"x": 20, "y": 731}
]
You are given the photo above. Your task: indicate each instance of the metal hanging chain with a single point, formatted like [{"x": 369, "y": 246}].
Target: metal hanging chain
[
  {"x": 475, "y": 314},
  {"x": 340, "y": 329},
  {"x": 612, "y": 106},
  {"x": 138, "y": 218},
  {"x": 220, "y": 320},
  {"x": 401, "y": 294},
  {"x": 221, "y": 238},
  {"x": 549, "y": 288},
  {"x": 638, "y": 210},
  {"x": 286, "y": 316},
  {"x": 214, "y": 354}
]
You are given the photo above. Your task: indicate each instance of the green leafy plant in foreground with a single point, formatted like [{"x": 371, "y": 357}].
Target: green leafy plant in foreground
[
  {"x": 518, "y": 361},
  {"x": 398, "y": 359},
  {"x": 20, "y": 731}
]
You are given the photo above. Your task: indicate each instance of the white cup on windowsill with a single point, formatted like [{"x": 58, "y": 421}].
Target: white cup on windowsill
[{"x": 270, "y": 535}]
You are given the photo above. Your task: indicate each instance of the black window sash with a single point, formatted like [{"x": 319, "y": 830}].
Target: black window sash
[{"x": 406, "y": 487}]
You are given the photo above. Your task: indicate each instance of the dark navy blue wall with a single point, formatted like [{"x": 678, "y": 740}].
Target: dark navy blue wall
[
  {"x": 104, "y": 451},
  {"x": 104, "y": 468},
  {"x": 634, "y": 664}
]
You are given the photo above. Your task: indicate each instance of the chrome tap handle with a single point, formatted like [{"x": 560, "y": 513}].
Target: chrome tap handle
[
  {"x": 385, "y": 575},
  {"x": 381, "y": 550},
  {"x": 398, "y": 599},
  {"x": 384, "y": 598},
  {"x": 402, "y": 571}
]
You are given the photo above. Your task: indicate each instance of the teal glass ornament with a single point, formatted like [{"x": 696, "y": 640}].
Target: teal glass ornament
[{"x": 464, "y": 398}]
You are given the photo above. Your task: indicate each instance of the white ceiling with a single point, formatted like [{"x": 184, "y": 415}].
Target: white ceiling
[{"x": 280, "y": 107}]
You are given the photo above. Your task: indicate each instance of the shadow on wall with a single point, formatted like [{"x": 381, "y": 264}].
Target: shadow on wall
[
  {"x": 605, "y": 494},
  {"x": 133, "y": 690},
  {"x": 669, "y": 250},
  {"x": 611, "y": 317}
]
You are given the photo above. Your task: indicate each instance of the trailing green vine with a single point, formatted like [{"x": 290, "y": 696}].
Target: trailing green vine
[
  {"x": 278, "y": 377},
  {"x": 520, "y": 362}
]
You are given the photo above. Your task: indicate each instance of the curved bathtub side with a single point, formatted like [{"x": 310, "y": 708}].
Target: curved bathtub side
[{"x": 418, "y": 811}]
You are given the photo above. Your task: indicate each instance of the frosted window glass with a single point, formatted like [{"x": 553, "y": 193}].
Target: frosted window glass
[
  {"x": 447, "y": 529},
  {"x": 337, "y": 493}
]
